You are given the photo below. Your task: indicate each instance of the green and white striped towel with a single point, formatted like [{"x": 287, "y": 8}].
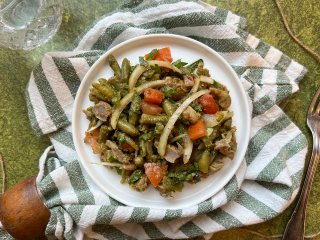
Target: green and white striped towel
[{"x": 267, "y": 181}]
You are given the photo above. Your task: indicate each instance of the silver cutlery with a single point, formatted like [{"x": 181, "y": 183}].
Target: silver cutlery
[{"x": 296, "y": 226}]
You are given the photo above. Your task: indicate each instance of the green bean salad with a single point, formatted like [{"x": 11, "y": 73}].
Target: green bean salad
[{"x": 160, "y": 122}]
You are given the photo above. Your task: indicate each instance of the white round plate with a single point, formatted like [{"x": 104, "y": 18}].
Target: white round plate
[{"x": 181, "y": 48}]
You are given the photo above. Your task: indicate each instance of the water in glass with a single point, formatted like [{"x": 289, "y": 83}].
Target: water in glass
[{"x": 26, "y": 24}]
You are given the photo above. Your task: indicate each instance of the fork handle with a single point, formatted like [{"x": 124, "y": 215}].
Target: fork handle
[{"x": 296, "y": 225}]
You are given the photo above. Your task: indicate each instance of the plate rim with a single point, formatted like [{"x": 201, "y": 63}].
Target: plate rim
[{"x": 145, "y": 37}]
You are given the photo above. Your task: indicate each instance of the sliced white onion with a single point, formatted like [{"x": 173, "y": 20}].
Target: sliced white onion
[
  {"x": 119, "y": 165},
  {"x": 195, "y": 85},
  {"x": 165, "y": 65},
  {"x": 127, "y": 99},
  {"x": 177, "y": 137},
  {"x": 209, "y": 131},
  {"x": 170, "y": 124},
  {"x": 109, "y": 164},
  {"x": 212, "y": 120},
  {"x": 135, "y": 76},
  {"x": 188, "y": 146},
  {"x": 206, "y": 79},
  {"x": 209, "y": 120},
  {"x": 172, "y": 154},
  {"x": 99, "y": 123}
]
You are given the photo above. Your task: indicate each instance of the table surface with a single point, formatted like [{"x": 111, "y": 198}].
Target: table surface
[{"x": 21, "y": 149}]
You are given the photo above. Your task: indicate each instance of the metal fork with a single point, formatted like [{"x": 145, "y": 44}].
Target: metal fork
[{"x": 296, "y": 225}]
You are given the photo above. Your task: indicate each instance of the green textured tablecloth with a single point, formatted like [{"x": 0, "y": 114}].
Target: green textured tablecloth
[{"x": 21, "y": 148}]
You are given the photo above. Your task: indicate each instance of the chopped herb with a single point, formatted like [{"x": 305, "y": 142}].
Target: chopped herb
[
  {"x": 181, "y": 129},
  {"x": 171, "y": 184},
  {"x": 152, "y": 54},
  {"x": 119, "y": 170},
  {"x": 193, "y": 66},
  {"x": 214, "y": 153},
  {"x": 179, "y": 63},
  {"x": 112, "y": 159},
  {"x": 169, "y": 91},
  {"x": 197, "y": 107},
  {"x": 216, "y": 84},
  {"x": 146, "y": 136},
  {"x": 143, "y": 62},
  {"x": 135, "y": 176},
  {"x": 156, "y": 68},
  {"x": 182, "y": 176},
  {"x": 184, "y": 172},
  {"x": 122, "y": 139}
]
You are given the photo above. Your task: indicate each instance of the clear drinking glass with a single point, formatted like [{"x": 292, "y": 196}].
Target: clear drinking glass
[{"x": 26, "y": 24}]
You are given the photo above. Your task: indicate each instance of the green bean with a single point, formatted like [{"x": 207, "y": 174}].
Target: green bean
[
  {"x": 103, "y": 81},
  {"x": 143, "y": 148},
  {"x": 135, "y": 176},
  {"x": 125, "y": 70},
  {"x": 113, "y": 81},
  {"x": 135, "y": 103},
  {"x": 103, "y": 134},
  {"x": 93, "y": 122},
  {"x": 132, "y": 143},
  {"x": 159, "y": 128},
  {"x": 106, "y": 90},
  {"x": 93, "y": 98},
  {"x": 114, "y": 65},
  {"x": 134, "y": 109},
  {"x": 168, "y": 107},
  {"x": 127, "y": 128},
  {"x": 170, "y": 184},
  {"x": 139, "y": 161},
  {"x": 96, "y": 93},
  {"x": 88, "y": 112},
  {"x": 103, "y": 149},
  {"x": 204, "y": 162},
  {"x": 116, "y": 99},
  {"x": 125, "y": 138},
  {"x": 153, "y": 119},
  {"x": 133, "y": 118}
]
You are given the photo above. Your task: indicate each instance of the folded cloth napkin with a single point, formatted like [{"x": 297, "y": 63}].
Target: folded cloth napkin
[{"x": 265, "y": 184}]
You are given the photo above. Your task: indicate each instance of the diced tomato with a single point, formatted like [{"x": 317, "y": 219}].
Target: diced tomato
[
  {"x": 127, "y": 147},
  {"x": 155, "y": 172},
  {"x": 163, "y": 54},
  {"x": 153, "y": 96},
  {"x": 92, "y": 139},
  {"x": 209, "y": 105},
  {"x": 149, "y": 108},
  {"x": 197, "y": 130}
]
